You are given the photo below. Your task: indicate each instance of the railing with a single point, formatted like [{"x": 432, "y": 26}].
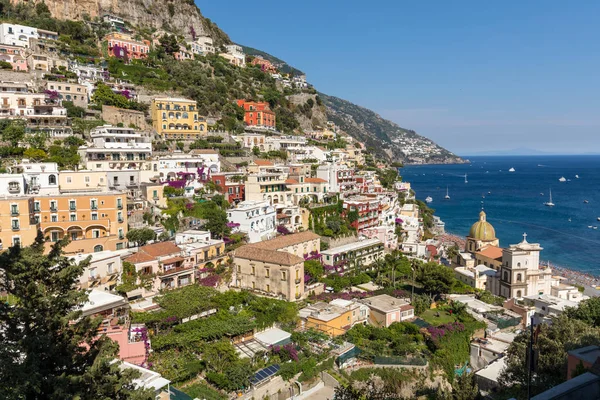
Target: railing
[
  {"x": 120, "y": 206},
  {"x": 120, "y": 220},
  {"x": 72, "y": 208},
  {"x": 15, "y": 228},
  {"x": 94, "y": 207},
  {"x": 174, "y": 271},
  {"x": 53, "y": 208},
  {"x": 14, "y": 213}
]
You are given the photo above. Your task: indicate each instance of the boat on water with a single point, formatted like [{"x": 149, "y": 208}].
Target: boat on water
[
  {"x": 511, "y": 170},
  {"x": 576, "y": 176},
  {"x": 466, "y": 181},
  {"x": 598, "y": 218},
  {"x": 595, "y": 227},
  {"x": 589, "y": 226},
  {"x": 447, "y": 196},
  {"x": 489, "y": 192},
  {"x": 585, "y": 201},
  {"x": 428, "y": 199},
  {"x": 569, "y": 219},
  {"x": 549, "y": 203},
  {"x": 562, "y": 179},
  {"x": 541, "y": 194}
]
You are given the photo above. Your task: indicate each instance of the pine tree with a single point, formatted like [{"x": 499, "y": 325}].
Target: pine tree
[{"x": 47, "y": 350}]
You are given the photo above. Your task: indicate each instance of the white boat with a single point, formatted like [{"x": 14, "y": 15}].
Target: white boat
[
  {"x": 511, "y": 170},
  {"x": 549, "y": 203},
  {"x": 598, "y": 218},
  {"x": 447, "y": 196},
  {"x": 569, "y": 219},
  {"x": 589, "y": 226},
  {"x": 576, "y": 176},
  {"x": 428, "y": 199},
  {"x": 585, "y": 202},
  {"x": 562, "y": 179},
  {"x": 595, "y": 227},
  {"x": 466, "y": 181}
]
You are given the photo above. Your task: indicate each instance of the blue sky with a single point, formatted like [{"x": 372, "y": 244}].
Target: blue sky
[{"x": 472, "y": 75}]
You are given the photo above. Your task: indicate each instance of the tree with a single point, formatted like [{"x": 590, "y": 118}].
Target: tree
[
  {"x": 14, "y": 132},
  {"x": 35, "y": 154},
  {"x": 216, "y": 219},
  {"x": 169, "y": 44},
  {"x": 105, "y": 96},
  {"x": 48, "y": 350},
  {"x": 256, "y": 151},
  {"x": 73, "y": 110},
  {"x": 141, "y": 236},
  {"x": 587, "y": 311},
  {"x": 552, "y": 344},
  {"x": 314, "y": 268},
  {"x": 435, "y": 278},
  {"x": 5, "y": 65},
  {"x": 219, "y": 355}
]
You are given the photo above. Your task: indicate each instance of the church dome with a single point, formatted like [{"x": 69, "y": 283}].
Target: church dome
[{"x": 482, "y": 230}]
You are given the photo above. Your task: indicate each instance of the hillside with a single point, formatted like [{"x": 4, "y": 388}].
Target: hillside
[
  {"x": 177, "y": 16},
  {"x": 384, "y": 137},
  {"x": 279, "y": 63}
]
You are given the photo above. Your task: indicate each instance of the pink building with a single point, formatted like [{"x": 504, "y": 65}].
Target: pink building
[
  {"x": 385, "y": 233},
  {"x": 15, "y": 56},
  {"x": 385, "y": 310},
  {"x": 134, "y": 345}
]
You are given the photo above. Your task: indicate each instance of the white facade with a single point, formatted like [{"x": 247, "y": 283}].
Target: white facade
[
  {"x": 17, "y": 35},
  {"x": 103, "y": 271},
  {"x": 40, "y": 178},
  {"x": 168, "y": 166},
  {"x": 12, "y": 184},
  {"x": 302, "y": 153},
  {"x": 237, "y": 52},
  {"x": 257, "y": 219},
  {"x": 203, "y": 45}
]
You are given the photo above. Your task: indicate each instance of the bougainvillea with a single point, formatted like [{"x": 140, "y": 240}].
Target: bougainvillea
[
  {"x": 52, "y": 94},
  {"x": 211, "y": 281},
  {"x": 283, "y": 230},
  {"x": 438, "y": 332},
  {"x": 286, "y": 352}
]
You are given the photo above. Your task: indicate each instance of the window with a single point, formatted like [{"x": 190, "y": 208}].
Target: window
[
  {"x": 14, "y": 209},
  {"x": 36, "y": 206},
  {"x": 519, "y": 278},
  {"x": 73, "y": 217},
  {"x": 54, "y": 218},
  {"x": 518, "y": 293},
  {"x": 52, "y": 179},
  {"x": 93, "y": 273},
  {"x": 72, "y": 205},
  {"x": 15, "y": 224},
  {"x": 54, "y": 236},
  {"x": 267, "y": 273},
  {"x": 253, "y": 270},
  {"x": 98, "y": 248},
  {"x": 268, "y": 289},
  {"x": 119, "y": 246},
  {"x": 96, "y": 235},
  {"x": 94, "y": 216},
  {"x": 253, "y": 285},
  {"x": 16, "y": 241},
  {"x": 73, "y": 236},
  {"x": 87, "y": 179}
]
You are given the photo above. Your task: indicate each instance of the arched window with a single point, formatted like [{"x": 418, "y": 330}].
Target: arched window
[
  {"x": 98, "y": 248},
  {"x": 518, "y": 293},
  {"x": 185, "y": 115},
  {"x": 505, "y": 276},
  {"x": 519, "y": 278},
  {"x": 518, "y": 264},
  {"x": 201, "y": 128},
  {"x": 52, "y": 179},
  {"x": 164, "y": 115}
]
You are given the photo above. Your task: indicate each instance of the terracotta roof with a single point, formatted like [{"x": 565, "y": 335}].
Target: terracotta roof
[
  {"x": 291, "y": 181},
  {"x": 204, "y": 151},
  {"x": 315, "y": 180},
  {"x": 287, "y": 240},
  {"x": 263, "y": 163},
  {"x": 153, "y": 251},
  {"x": 251, "y": 252},
  {"x": 493, "y": 252}
]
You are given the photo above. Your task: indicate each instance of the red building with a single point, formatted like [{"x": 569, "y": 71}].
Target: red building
[
  {"x": 124, "y": 46},
  {"x": 257, "y": 114},
  {"x": 231, "y": 184},
  {"x": 265, "y": 65},
  {"x": 368, "y": 209}
]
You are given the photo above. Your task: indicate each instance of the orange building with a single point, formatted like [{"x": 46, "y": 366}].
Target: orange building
[
  {"x": 124, "y": 46},
  {"x": 17, "y": 221},
  {"x": 258, "y": 114},
  {"x": 92, "y": 221}
]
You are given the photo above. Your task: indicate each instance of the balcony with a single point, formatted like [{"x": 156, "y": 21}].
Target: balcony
[
  {"x": 54, "y": 208},
  {"x": 16, "y": 228},
  {"x": 298, "y": 281},
  {"x": 72, "y": 208},
  {"x": 175, "y": 271},
  {"x": 121, "y": 236},
  {"x": 14, "y": 213},
  {"x": 120, "y": 220},
  {"x": 119, "y": 206},
  {"x": 94, "y": 207}
]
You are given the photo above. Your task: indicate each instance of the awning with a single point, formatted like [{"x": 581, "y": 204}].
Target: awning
[{"x": 173, "y": 260}]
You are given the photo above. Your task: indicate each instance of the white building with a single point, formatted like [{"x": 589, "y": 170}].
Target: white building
[
  {"x": 302, "y": 153},
  {"x": 40, "y": 178},
  {"x": 257, "y": 219},
  {"x": 237, "y": 52},
  {"x": 475, "y": 277},
  {"x": 203, "y": 45},
  {"x": 19, "y": 35},
  {"x": 200, "y": 163},
  {"x": 103, "y": 272},
  {"x": 116, "y": 148}
]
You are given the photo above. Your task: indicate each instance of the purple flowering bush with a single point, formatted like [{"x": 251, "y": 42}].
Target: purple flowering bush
[
  {"x": 286, "y": 352},
  {"x": 438, "y": 332}
]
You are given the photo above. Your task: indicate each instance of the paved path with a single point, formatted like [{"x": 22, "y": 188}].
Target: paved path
[{"x": 324, "y": 394}]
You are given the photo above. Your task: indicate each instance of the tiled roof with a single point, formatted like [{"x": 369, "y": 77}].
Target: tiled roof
[
  {"x": 493, "y": 252},
  {"x": 315, "y": 180},
  {"x": 263, "y": 163},
  {"x": 286, "y": 240},
  {"x": 153, "y": 251},
  {"x": 291, "y": 181},
  {"x": 251, "y": 252}
]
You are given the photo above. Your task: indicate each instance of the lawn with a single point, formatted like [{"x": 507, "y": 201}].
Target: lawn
[{"x": 430, "y": 316}]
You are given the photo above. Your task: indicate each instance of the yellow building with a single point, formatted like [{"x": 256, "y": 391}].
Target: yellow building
[
  {"x": 83, "y": 181},
  {"x": 176, "y": 118},
  {"x": 17, "y": 222},
  {"x": 330, "y": 319},
  {"x": 92, "y": 221}
]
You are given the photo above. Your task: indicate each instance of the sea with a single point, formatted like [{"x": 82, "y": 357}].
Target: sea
[{"x": 514, "y": 202}]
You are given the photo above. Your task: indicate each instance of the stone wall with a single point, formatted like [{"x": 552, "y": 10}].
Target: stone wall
[{"x": 114, "y": 116}]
